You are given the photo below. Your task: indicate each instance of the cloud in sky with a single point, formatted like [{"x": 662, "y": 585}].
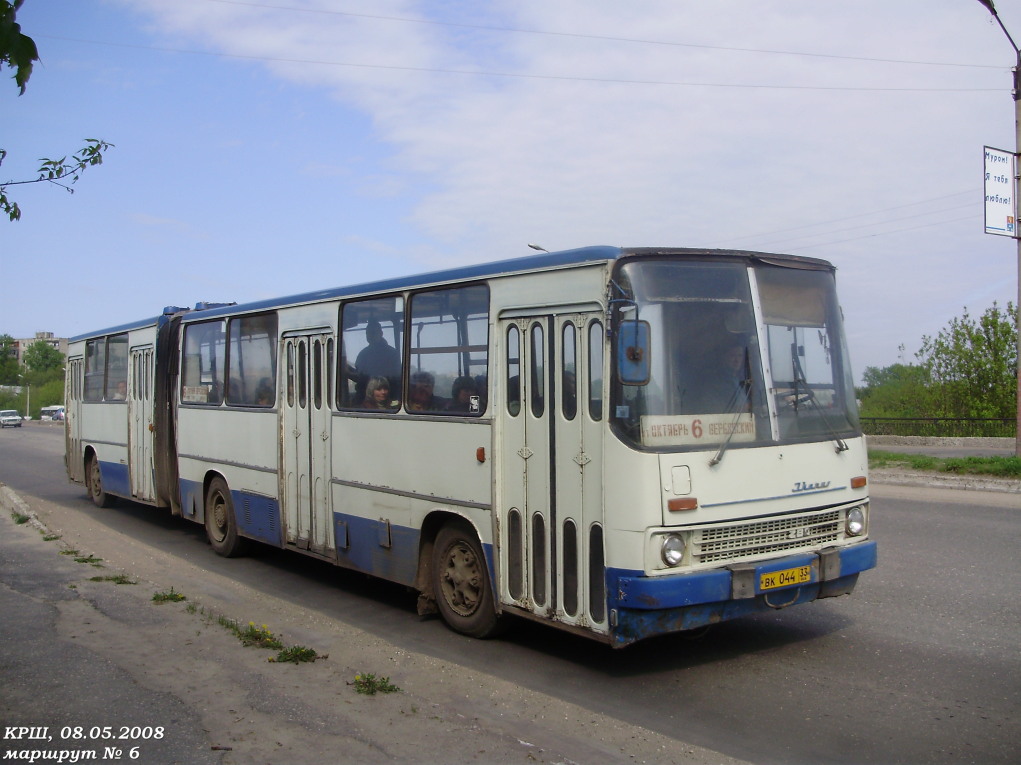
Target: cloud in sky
[{"x": 317, "y": 143}]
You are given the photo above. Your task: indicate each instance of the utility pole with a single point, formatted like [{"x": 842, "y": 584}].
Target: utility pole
[{"x": 1017, "y": 154}]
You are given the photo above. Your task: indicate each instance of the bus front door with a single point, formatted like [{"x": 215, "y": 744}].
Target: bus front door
[
  {"x": 140, "y": 423},
  {"x": 550, "y": 495},
  {"x": 305, "y": 441}
]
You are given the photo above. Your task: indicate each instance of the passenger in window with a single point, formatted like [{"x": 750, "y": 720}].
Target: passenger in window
[
  {"x": 378, "y": 358},
  {"x": 377, "y": 394},
  {"x": 121, "y": 393},
  {"x": 420, "y": 394},
  {"x": 465, "y": 396},
  {"x": 264, "y": 393}
]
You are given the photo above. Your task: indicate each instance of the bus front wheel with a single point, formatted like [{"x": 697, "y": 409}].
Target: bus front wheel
[
  {"x": 461, "y": 584},
  {"x": 221, "y": 523},
  {"x": 95, "y": 484}
]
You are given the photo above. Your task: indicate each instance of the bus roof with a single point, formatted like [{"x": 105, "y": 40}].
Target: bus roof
[{"x": 536, "y": 262}]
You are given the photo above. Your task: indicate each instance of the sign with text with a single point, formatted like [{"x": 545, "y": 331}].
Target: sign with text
[
  {"x": 1000, "y": 191},
  {"x": 697, "y": 429}
]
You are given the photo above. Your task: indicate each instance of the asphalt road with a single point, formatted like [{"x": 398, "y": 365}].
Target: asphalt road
[{"x": 920, "y": 665}]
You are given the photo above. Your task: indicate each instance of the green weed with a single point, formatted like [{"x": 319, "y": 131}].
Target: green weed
[
  {"x": 297, "y": 654},
  {"x": 168, "y": 597},
  {"x": 369, "y": 685},
  {"x": 115, "y": 578}
]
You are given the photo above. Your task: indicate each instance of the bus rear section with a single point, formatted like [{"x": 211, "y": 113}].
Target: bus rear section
[{"x": 109, "y": 413}]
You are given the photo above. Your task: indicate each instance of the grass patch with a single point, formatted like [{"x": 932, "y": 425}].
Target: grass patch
[
  {"x": 168, "y": 596},
  {"x": 115, "y": 578},
  {"x": 999, "y": 467},
  {"x": 20, "y": 518},
  {"x": 370, "y": 685},
  {"x": 298, "y": 654},
  {"x": 90, "y": 559},
  {"x": 50, "y": 537}
]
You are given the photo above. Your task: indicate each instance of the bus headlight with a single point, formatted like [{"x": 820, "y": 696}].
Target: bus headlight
[
  {"x": 855, "y": 524},
  {"x": 672, "y": 550}
]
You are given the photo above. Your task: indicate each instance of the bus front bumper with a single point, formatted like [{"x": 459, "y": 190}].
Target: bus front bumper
[{"x": 643, "y": 606}]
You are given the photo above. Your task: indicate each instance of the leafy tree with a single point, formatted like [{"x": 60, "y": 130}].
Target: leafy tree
[
  {"x": 8, "y": 361},
  {"x": 18, "y": 51},
  {"x": 42, "y": 359},
  {"x": 899, "y": 390},
  {"x": 973, "y": 365},
  {"x": 47, "y": 394}
]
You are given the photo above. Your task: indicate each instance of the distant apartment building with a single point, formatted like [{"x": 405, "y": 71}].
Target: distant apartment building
[{"x": 22, "y": 345}]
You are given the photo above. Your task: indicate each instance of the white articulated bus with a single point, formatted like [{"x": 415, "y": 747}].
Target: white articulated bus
[{"x": 619, "y": 442}]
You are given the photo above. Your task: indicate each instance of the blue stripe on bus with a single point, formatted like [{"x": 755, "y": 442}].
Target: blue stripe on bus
[
  {"x": 361, "y": 546},
  {"x": 258, "y": 516},
  {"x": 116, "y": 481}
]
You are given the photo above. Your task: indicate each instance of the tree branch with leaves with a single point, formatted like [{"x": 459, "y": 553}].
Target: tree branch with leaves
[
  {"x": 18, "y": 52},
  {"x": 62, "y": 172}
]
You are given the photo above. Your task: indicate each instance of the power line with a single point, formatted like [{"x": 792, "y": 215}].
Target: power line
[
  {"x": 604, "y": 38},
  {"x": 518, "y": 75},
  {"x": 884, "y": 233},
  {"x": 861, "y": 215}
]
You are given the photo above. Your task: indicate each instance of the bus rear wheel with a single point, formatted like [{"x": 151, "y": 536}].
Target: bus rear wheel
[
  {"x": 221, "y": 523},
  {"x": 95, "y": 484},
  {"x": 461, "y": 584}
]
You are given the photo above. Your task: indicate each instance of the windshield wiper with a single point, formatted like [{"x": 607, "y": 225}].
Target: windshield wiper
[
  {"x": 742, "y": 395},
  {"x": 809, "y": 396}
]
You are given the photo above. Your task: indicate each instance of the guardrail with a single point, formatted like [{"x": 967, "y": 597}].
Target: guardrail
[{"x": 940, "y": 427}]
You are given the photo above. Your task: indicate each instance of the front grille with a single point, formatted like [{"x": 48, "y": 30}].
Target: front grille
[{"x": 733, "y": 542}]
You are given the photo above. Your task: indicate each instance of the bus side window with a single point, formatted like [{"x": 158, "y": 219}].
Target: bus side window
[
  {"x": 95, "y": 369},
  {"x": 513, "y": 371},
  {"x": 449, "y": 349},
  {"x": 117, "y": 368},
  {"x": 371, "y": 361},
  {"x": 537, "y": 371},
  {"x": 204, "y": 356},
  {"x": 595, "y": 370},
  {"x": 569, "y": 372},
  {"x": 252, "y": 360}
]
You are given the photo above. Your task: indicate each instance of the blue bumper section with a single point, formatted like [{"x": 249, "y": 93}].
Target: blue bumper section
[{"x": 642, "y": 606}]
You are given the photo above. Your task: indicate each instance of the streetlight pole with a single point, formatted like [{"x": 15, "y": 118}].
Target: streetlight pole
[
  {"x": 28, "y": 399},
  {"x": 1017, "y": 153}
]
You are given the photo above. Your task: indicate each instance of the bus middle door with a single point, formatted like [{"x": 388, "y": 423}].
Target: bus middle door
[
  {"x": 140, "y": 423},
  {"x": 305, "y": 423}
]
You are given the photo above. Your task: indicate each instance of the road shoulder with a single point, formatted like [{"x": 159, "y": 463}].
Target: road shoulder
[{"x": 250, "y": 709}]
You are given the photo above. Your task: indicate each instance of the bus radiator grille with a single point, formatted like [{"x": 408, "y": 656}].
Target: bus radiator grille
[{"x": 744, "y": 541}]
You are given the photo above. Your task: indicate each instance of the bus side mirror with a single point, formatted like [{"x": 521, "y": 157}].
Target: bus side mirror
[{"x": 633, "y": 352}]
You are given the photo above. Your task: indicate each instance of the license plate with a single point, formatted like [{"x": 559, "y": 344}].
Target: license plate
[{"x": 785, "y": 578}]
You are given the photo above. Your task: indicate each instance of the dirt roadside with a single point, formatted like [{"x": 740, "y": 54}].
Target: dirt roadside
[{"x": 247, "y": 709}]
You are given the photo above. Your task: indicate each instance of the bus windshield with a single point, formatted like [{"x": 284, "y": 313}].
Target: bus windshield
[{"x": 718, "y": 353}]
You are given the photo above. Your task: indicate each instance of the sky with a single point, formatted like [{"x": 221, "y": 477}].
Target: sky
[{"x": 275, "y": 147}]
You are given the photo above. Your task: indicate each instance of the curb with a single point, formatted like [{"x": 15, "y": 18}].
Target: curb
[{"x": 945, "y": 481}]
